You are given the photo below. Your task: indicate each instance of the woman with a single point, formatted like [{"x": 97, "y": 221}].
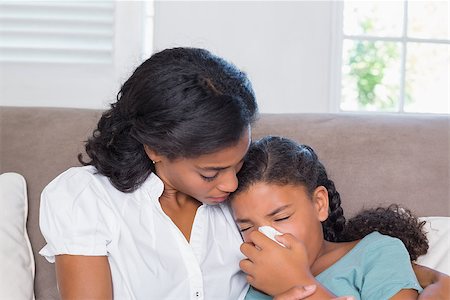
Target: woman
[{"x": 140, "y": 220}]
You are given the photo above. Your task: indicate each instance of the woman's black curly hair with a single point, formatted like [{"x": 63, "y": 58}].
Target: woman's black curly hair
[
  {"x": 281, "y": 161},
  {"x": 181, "y": 102}
]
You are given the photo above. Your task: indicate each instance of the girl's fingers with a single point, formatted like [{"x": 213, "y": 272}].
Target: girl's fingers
[
  {"x": 260, "y": 240},
  {"x": 287, "y": 239},
  {"x": 246, "y": 266},
  {"x": 249, "y": 250}
]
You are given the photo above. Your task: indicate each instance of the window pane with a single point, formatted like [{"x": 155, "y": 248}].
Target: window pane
[
  {"x": 427, "y": 78},
  {"x": 428, "y": 19},
  {"x": 370, "y": 76},
  {"x": 373, "y": 18},
  {"x": 57, "y": 31}
]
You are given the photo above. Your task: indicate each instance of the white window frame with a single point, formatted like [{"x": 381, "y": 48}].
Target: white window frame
[
  {"x": 337, "y": 32},
  {"x": 148, "y": 32},
  {"x": 337, "y": 38}
]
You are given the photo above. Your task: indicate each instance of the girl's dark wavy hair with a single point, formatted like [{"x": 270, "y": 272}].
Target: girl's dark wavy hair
[
  {"x": 281, "y": 161},
  {"x": 181, "y": 102}
]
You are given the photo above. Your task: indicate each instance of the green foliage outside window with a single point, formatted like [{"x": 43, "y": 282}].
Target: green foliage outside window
[{"x": 368, "y": 62}]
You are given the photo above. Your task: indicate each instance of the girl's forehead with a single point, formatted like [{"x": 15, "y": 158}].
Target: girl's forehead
[{"x": 270, "y": 197}]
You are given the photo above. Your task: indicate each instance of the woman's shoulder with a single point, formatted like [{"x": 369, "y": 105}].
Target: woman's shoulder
[
  {"x": 77, "y": 187},
  {"x": 76, "y": 180},
  {"x": 85, "y": 187},
  {"x": 85, "y": 173},
  {"x": 77, "y": 215}
]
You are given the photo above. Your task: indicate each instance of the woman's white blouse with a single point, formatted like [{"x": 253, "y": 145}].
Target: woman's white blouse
[{"x": 83, "y": 214}]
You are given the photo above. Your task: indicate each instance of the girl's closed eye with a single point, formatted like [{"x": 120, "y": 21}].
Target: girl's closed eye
[
  {"x": 245, "y": 228},
  {"x": 278, "y": 219}
]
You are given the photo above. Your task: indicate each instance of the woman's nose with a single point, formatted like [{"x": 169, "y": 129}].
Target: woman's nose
[{"x": 229, "y": 182}]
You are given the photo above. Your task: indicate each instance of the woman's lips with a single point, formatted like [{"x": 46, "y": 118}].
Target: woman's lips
[{"x": 219, "y": 199}]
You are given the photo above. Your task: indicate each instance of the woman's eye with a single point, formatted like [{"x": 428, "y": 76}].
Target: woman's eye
[
  {"x": 209, "y": 178},
  {"x": 282, "y": 219}
]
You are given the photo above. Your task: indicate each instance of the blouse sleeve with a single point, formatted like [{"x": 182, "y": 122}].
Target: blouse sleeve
[
  {"x": 76, "y": 216},
  {"x": 388, "y": 270}
]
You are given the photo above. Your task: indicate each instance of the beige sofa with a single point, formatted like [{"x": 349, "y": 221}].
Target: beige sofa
[{"x": 374, "y": 159}]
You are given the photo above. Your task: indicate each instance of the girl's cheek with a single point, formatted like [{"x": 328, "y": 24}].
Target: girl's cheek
[{"x": 285, "y": 228}]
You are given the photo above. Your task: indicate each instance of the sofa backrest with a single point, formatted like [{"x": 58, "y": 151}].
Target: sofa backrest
[
  {"x": 373, "y": 159},
  {"x": 40, "y": 143},
  {"x": 376, "y": 159}
]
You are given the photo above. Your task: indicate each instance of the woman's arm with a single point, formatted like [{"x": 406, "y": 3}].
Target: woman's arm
[
  {"x": 83, "y": 277},
  {"x": 297, "y": 293},
  {"x": 303, "y": 292},
  {"x": 406, "y": 294},
  {"x": 436, "y": 284}
]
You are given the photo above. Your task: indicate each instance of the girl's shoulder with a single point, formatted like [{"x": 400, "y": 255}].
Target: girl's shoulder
[
  {"x": 360, "y": 252},
  {"x": 375, "y": 241},
  {"x": 377, "y": 267}
]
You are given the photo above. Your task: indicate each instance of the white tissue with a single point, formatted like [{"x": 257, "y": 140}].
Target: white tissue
[{"x": 270, "y": 232}]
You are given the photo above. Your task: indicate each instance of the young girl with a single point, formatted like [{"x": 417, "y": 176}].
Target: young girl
[{"x": 284, "y": 185}]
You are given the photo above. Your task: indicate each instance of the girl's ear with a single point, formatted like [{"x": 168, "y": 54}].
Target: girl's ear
[
  {"x": 152, "y": 154},
  {"x": 321, "y": 204}
]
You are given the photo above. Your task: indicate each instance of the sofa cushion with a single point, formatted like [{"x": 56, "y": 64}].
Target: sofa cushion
[
  {"x": 16, "y": 256},
  {"x": 438, "y": 234}
]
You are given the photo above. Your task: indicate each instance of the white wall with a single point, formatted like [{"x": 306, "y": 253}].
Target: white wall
[{"x": 283, "y": 46}]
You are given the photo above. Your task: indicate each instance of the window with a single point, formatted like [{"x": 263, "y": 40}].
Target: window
[
  {"x": 59, "y": 32},
  {"x": 67, "y": 53},
  {"x": 393, "y": 56}
]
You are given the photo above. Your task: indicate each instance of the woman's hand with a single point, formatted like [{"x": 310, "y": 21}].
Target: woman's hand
[
  {"x": 436, "y": 284},
  {"x": 297, "y": 293},
  {"x": 303, "y": 292}
]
